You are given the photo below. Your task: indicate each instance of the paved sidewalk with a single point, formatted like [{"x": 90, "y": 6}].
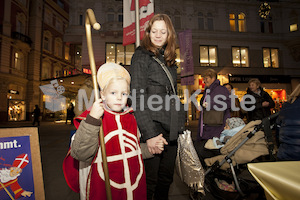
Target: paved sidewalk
[{"x": 54, "y": 141}]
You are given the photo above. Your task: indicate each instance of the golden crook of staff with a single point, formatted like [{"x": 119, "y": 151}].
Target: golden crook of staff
[
  {"x": 3, "y": 186},
  {"x": 91, "y": 20}
]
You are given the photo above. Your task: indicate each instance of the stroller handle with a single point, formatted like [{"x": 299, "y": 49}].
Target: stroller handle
[{"x": 271, "y": 117}]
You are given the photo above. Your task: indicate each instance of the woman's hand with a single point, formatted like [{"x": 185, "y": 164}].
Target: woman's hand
[
  {"x": 155, "y": 144},
  {"x": 97, "y": 109}
]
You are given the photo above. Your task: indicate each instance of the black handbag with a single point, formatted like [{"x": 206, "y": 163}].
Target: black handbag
[{"x": 213, "y": 117}]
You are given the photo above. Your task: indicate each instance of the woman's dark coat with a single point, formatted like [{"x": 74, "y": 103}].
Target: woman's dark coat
[
  {"x": 259, "y": 111},
  {"x": 215, "y": 89},
  {"x": 148, "y": 78}
]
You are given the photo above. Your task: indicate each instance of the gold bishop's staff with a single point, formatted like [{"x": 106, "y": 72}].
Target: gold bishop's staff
[
  {"x": 91, "y": 20},
  {"x": 3, "y": 186}
]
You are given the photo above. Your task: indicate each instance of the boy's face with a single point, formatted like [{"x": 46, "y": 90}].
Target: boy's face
[{"x": 115, "y": 95}]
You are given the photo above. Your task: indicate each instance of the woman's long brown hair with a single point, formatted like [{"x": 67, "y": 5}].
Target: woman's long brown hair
[{"x": 170, "y": 50}]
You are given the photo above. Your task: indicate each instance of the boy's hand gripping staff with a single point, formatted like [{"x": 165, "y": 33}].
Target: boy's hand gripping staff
[{"x": 91, "y": 20}]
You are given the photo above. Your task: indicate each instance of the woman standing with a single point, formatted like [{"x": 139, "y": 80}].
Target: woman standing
[
  {"x": 215, "y": 96},
  {"x": 209, "y": 102},
  {"x": 156, "y": 105},
  {"x": 263, "y": 101}
]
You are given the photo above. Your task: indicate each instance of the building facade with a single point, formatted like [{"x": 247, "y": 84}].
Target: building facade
[
  {"x": 240, "y": 39},
  {"x": 31, "y": 49}
]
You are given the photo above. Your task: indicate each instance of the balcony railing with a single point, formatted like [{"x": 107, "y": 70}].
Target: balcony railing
[{"x": 22, "y": 37}]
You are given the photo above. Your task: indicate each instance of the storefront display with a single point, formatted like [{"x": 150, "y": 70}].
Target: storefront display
[{"x": 16, "y": 110}]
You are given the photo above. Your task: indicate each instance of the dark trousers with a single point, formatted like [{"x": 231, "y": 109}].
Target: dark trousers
[
  {"x": 160, "y": 171},
  {"x": 36, "y": 120}
]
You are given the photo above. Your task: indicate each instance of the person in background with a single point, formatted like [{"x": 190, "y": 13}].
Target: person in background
[
  {"x": 208, "y": 100},
  {"x": 263, "y": 101},
  {"x": 148, "y": 80},
  {"x": 236, "y": 113},
  {"x": 289, "y": 128},
  {"x": 212, "y": 89},
  {"x": 70, "y": 113},
  {"x": 36, "y": 115}
]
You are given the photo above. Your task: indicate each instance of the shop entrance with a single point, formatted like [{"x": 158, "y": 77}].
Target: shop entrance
[{"x": 16, "y": 110}]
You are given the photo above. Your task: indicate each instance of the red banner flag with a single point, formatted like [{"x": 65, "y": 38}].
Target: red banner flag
[{"x": 146, "y": 12}]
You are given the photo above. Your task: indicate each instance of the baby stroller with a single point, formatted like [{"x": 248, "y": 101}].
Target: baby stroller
[{"x": 254, "y": 143}]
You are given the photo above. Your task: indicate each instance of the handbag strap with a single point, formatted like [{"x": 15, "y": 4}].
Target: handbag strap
[{"x": 166, "y": 71}]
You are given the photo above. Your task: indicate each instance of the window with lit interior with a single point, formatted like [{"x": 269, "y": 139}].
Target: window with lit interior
[
  {"x": 19, "y": 60},
  {"x": 237, "y": 22},
  {"x": 293, "y": 20},
  {"x": 118, "y": 53},
  {"x": 270, "y": 58},
  {"x": 240, "y": 57},
  {"x": 242, "y": 22},
  {"x": 208, "y": 56}
]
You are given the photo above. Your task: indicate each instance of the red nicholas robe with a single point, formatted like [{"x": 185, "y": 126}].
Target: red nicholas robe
[
  {"x": 14, "y": 186},
  {"x": 125, "y": 163}
]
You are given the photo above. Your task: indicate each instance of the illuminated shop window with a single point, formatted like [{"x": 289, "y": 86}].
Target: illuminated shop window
[
  {"x": 240, "y": 57},
  {"x": 118, "y": 53},
  {"x": 208, "y": 56},
  {"x": 129, "y": 53},
  {"x": 270, "y": 57},
  {"x": 178, "y": 61}
]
